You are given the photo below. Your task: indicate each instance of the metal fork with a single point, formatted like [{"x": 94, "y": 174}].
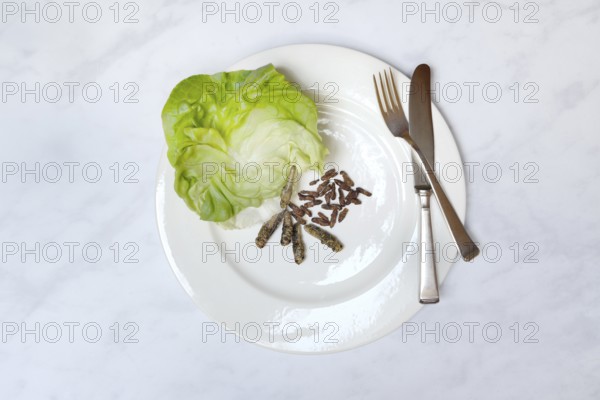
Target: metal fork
[{"x": 397, "y": 124}]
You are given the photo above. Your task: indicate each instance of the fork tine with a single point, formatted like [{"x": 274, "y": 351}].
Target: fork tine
[
  {"x": 385, "y": 91},
  {"x": 391, "y": 91},
  {"x": 395, "y": 89},
  {"x": 378, "y": 95}
]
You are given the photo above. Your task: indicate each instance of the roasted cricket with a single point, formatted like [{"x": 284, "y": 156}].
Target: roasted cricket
[
  {"x": 329, "y": 174},
  {"x": 298, "y": 243},
  {"x": 266, "y": 231},
  {"x": 287, "y": 228},
  {"x": 347, "y": 179},
  {"x": 343, "y": 215},
  {"x": 325, "y": 237}
]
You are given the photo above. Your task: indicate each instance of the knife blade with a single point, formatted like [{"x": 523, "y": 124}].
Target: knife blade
[
  {"x": 419, "y": 119},
  {"x": 421, "y": 130}
]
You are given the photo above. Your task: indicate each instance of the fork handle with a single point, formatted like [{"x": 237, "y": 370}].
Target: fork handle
[
  {"x": 428, "y": 287},
  {"x": 467, "y": 248}
]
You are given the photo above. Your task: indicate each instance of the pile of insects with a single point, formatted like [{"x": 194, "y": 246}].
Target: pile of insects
[{"x": 332, "y": 195}]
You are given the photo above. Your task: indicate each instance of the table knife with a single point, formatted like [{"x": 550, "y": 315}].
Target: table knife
[{"x": 421, "y": 130}]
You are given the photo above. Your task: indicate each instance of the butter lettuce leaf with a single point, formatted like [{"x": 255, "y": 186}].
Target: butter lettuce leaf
[{"x": 232, "y": 137}]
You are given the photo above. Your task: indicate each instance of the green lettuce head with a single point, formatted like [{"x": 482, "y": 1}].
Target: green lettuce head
[{"x": 232, "y": 137}]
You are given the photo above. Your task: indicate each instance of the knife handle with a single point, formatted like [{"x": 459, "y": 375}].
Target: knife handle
[
  {"x": 428, "y": 287},
  {"x": 467, "y": 248}
]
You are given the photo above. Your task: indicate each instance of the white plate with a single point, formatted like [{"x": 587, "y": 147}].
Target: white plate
[{"x": 331, "y": 302}]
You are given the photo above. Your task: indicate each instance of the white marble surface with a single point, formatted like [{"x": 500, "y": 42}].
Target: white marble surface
[{"x": 559, "y": 294}]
